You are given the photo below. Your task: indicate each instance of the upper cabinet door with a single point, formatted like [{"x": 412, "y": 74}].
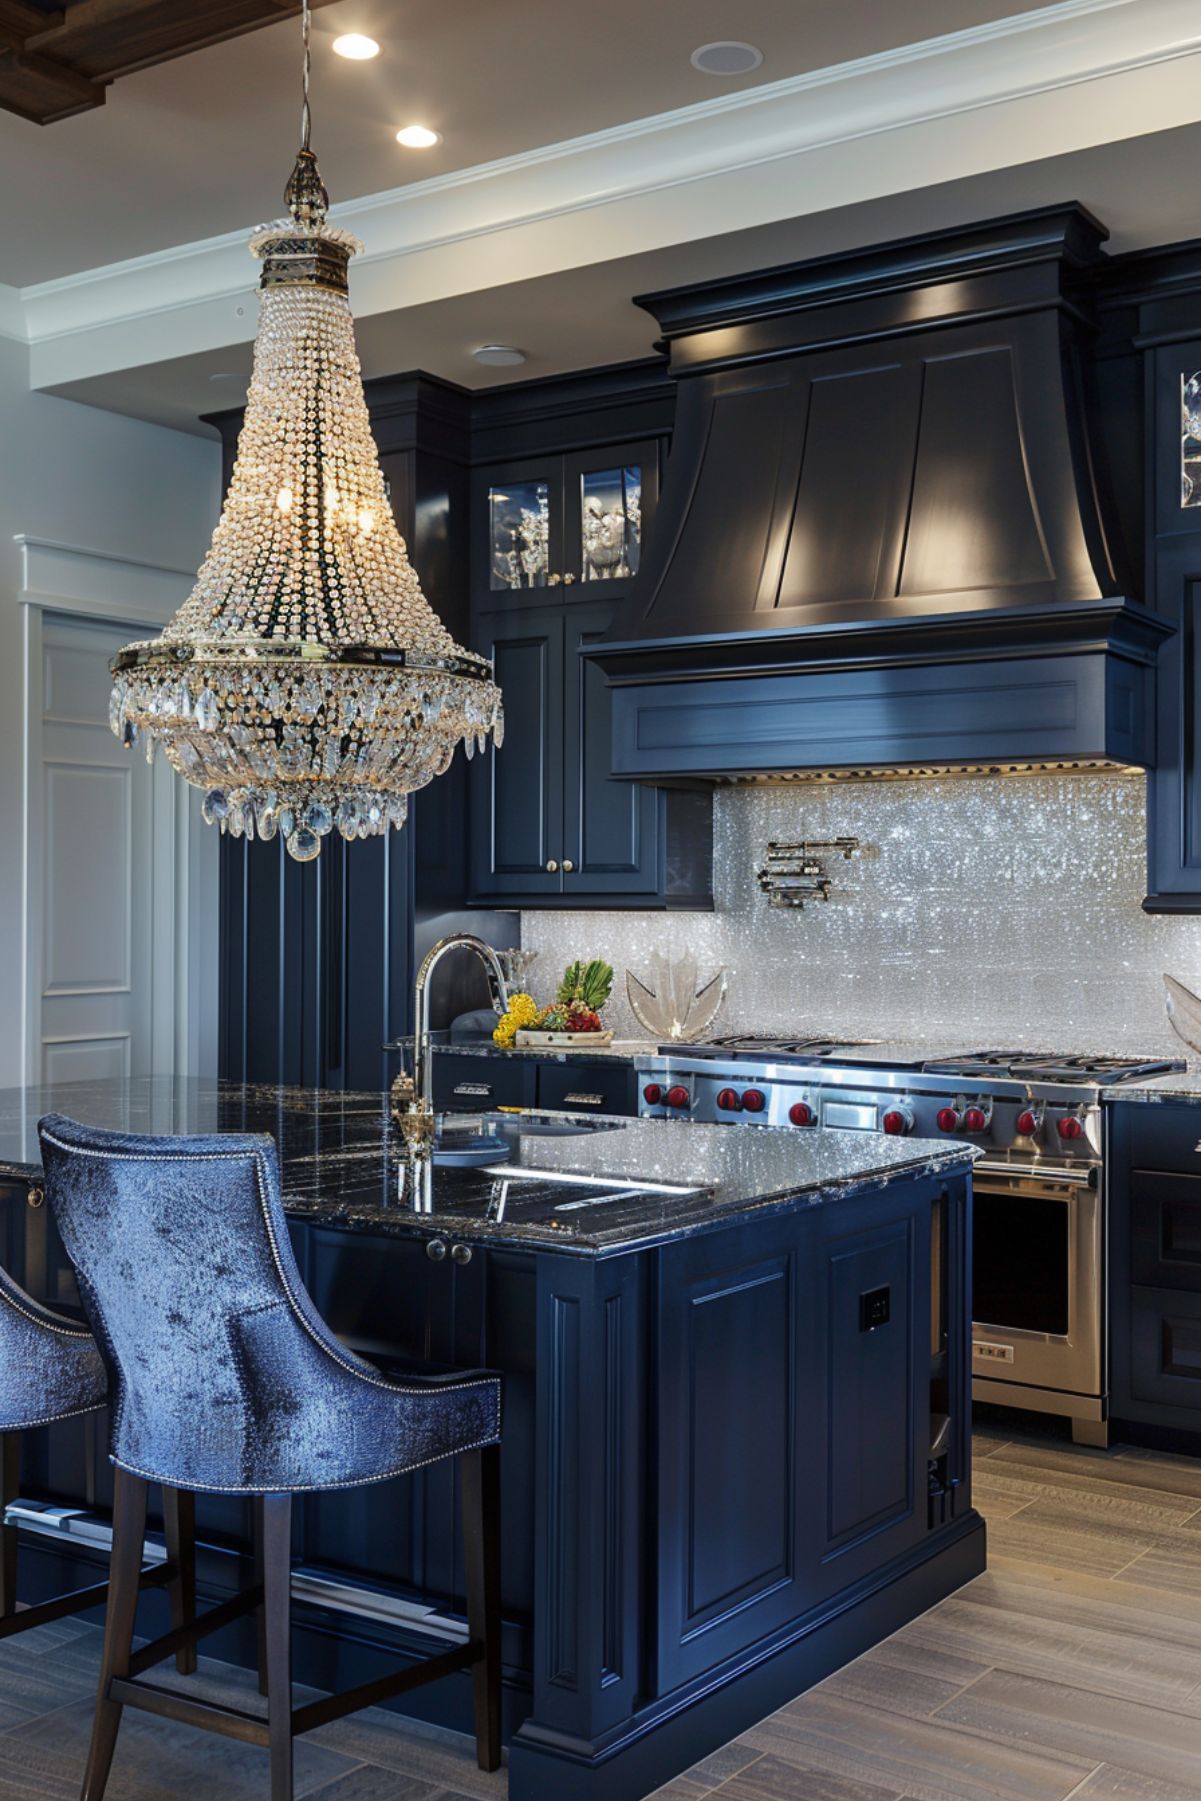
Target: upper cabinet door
[
  {"x": 517, "y": 797},
  {"x": 609, "y": 496},
  {"x": 611, "y": 829},
  {"x": 518, "y": 532}
]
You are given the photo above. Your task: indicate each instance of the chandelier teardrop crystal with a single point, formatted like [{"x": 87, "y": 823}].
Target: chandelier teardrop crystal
[{"x": 306, "y": 684}]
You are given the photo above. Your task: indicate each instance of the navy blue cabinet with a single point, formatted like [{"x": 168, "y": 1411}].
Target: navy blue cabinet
[
  {"x": 1154, "y": 1169},
  {"x": 549, "y": 824},
  {"x": 468, "y": 1083},
  {"x": 555, "y": 541}
]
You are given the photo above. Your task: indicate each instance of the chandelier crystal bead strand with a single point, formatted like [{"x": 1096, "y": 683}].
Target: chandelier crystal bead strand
[{"x": 306, "y": 684}]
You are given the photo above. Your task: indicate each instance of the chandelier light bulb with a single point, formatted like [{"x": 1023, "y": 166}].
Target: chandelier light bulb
[{"x": 306, "y": 685}]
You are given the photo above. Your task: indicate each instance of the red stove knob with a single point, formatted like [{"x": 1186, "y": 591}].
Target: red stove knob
[
  {"x": 728, "y": 1100},
  {"x": 754, "y": 1100},
  {"x": 948, "y": 1120},
  {"x": 676, "y": 1097},
  {"x": 897, "y": 1122},
  {"x": 1070, "y": 1127},
  {"x": 652, "y": 1094},
  {"x": 975, "y": 1119},
  {"x": 1028, "y": 1123},
  {"x": 801, "y": 1113}
]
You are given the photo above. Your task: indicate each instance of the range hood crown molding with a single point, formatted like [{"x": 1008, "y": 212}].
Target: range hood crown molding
[{"x": 883, "y": 536}]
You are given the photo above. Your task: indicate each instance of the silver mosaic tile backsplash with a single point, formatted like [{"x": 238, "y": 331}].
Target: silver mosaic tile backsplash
[{"x": 999, "y": 909}]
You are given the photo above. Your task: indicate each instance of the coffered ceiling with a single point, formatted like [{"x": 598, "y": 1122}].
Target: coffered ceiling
[{"x": 582, "y": 159}]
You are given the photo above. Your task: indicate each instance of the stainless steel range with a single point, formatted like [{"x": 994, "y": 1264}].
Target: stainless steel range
[{"x": 1039, "y": 1246}]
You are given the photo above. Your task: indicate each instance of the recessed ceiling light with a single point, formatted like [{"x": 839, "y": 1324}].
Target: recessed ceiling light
[
  {"x": 418, "y": 137},
  {"x": 726, "y": 57},
  {"x": 355, "y": 47},
  {"x": 499, "y": 356}
]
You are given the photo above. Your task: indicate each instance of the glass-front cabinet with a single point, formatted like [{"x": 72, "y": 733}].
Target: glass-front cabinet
[
  {"x": 1174, "y": 590},
  {"x": 572, "y": 522}
]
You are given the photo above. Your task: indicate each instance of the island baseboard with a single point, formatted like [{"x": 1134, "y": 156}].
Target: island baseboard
[{"x": 667, "y": 1739}]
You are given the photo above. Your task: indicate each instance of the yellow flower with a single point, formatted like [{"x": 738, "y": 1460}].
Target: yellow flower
[{"x": 522, "y": 1013}]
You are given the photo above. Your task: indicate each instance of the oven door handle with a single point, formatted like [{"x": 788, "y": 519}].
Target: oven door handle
[{"x": 1043, "y": 1172}]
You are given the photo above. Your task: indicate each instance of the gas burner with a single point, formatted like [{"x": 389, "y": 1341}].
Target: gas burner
[
  {"x": 769, "y": 1045},
  {"x": 1036, "y": 1066}
]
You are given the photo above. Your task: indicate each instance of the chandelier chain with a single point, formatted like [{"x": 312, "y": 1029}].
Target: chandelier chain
[{"x": 305, "y": 115}]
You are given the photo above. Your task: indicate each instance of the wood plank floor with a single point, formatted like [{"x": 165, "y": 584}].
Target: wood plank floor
[{"x": 1072, "y": 1668}]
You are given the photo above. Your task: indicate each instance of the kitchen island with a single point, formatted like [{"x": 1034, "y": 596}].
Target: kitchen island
[{"x": 736, "y": 1438}]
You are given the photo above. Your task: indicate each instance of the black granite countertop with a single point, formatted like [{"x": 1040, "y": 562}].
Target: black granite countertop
[{"x": 583, "y": 1185}]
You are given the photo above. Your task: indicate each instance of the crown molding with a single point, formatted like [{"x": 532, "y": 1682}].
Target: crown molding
[{"x": 1074, "y": 74}]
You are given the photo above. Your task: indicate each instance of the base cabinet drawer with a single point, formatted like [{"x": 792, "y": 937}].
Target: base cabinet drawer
[
  {"x": 588, "y": 1088},
  {"x": 1165, "y": 1357},
  {"x": 470, "y": 1084},
  {"x": 1165, "y": 1230}
]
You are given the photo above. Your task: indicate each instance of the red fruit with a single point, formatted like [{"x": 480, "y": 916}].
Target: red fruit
[{"x": 583, "y": 1021}]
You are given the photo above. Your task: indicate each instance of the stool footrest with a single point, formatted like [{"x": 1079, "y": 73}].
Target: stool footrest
[
  {"x": 192, "y": 1630},
  {"x": 214, "y": 1716},
  {"x": 234, "y": 1722},
  {"x": 156, "y": 1575},
  {"x": 370, "y": 1694}
]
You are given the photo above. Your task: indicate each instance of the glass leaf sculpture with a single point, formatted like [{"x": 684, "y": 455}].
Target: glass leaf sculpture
[
  {"x": 1184, "y": 1011},
  {"x": 668, "y": 1004}
]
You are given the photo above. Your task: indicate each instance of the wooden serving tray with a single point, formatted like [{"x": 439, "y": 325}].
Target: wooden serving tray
[{"x": 562, "y": 1041}]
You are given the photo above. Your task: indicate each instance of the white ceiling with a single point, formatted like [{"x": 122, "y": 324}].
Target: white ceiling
[
  {"x": 202, "y": 145},
  {"x": 1095, "y": 100}
]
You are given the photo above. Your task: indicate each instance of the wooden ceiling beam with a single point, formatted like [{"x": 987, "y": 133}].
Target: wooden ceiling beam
[
  {"x": 19, "y": 23},
  {"x": 59, "y": 63}
]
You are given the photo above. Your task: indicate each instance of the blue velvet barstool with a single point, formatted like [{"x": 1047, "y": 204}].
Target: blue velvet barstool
[
  {"x": 226, "y": 1380},
  {"x": 50, "y": 1371}
]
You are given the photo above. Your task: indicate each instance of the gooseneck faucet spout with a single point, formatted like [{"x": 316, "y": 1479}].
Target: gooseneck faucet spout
[{"x": 413, "y": 1096}]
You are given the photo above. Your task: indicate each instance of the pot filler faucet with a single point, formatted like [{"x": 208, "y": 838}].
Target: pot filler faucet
[{"x": 413, "y": 1095}]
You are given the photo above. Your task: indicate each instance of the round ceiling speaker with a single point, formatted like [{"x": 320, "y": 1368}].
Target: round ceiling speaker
[{"x": 726, "y": 58}]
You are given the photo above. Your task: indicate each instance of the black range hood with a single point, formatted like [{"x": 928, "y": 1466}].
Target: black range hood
[{"x": 882, "y": 541}]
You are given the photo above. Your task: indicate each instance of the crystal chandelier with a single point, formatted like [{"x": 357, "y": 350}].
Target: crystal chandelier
[{"x": 306, "y": 684}]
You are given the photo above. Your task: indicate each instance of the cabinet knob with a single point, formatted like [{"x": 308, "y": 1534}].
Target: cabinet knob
[
  {"x": 568, "y": 579},
  {"x": 553, "y": 580},
  {"x": 435, "y": 1250},
  {"x": 461, "y": 1253},
  {"x": 35, "y": 1196},
  {"x": 568, "y": 866},
  {"x": 552, "y": 868}
]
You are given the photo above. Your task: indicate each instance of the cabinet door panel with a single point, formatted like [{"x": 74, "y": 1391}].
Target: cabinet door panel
[
  {"x": 517, "y": 798},
  {"x": 587, "y": 1087},
  {"x": 611, "y": 829},
  {"x": 609, "y": 498},
  {"x": 1165, "y": 1357},
  {"x": 734, "y": 1335},
  {"x": 1165, "y": 1229},
  {"x": 517, "y": 532}
]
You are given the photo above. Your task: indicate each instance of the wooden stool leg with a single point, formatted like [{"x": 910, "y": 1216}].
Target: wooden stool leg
[
  {"x": 129, "y": 1531},
  {"x": 481, "y": 1555},
  {"x": 10, "y": 1489},
  {"x": 277, "y": 1609},
  {"x": 260, "y": 1612},
  {"x": 179, "y": 1529}
]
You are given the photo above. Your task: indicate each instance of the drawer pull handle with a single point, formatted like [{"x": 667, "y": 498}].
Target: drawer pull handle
[
  {"x": 586, "y": 1100},
  {"x": 35, "y": 1196},
  {"x": 435, "y": 1250},
  {"x": 476, "y": 1088},
  {"x": 461, "y": 1253}
]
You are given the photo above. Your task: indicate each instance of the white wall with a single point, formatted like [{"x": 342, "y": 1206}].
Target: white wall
[
  {"x": 997, "y": 909},
  {"x": 78, "y": 476}
]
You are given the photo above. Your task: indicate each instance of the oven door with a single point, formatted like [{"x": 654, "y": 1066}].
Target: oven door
[{"x": 1037, "y": 1272}]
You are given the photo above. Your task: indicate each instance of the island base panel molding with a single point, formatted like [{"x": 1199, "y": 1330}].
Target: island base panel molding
[{"x": 544, "y": 1766}]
